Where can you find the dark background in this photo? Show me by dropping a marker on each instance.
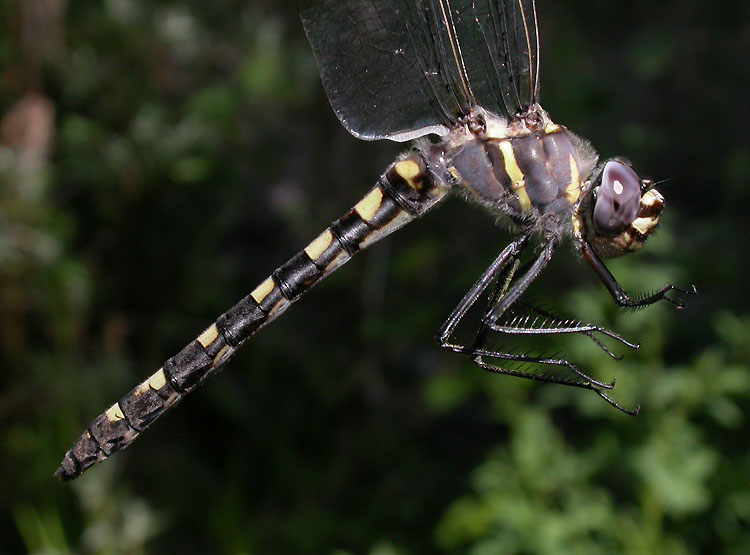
(158, 159)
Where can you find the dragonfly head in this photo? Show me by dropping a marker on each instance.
(620, 211)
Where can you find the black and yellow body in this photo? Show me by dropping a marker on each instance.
(404, 192)
(533, 178)
(396, 70)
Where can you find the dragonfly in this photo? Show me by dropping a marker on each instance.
(461, 80)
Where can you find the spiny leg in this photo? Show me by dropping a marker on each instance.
(500, 300)
(476, 350)
(501, 288)
(620, 296)
(476, 290)
(511, 295)
(499, 294)
(478, 360)
(553, 324)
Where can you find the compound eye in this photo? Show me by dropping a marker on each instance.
(618, 198)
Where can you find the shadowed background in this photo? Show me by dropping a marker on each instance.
(158, 159)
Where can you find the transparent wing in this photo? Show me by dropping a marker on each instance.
(400, 69)
(500, 44)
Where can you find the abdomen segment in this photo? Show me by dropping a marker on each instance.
(404, 192)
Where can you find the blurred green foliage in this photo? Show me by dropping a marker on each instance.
(158, 159)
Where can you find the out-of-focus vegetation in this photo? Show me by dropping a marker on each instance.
(158, 159)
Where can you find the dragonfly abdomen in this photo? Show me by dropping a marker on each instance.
(404, 192)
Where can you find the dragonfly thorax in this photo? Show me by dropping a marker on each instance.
(526, 175)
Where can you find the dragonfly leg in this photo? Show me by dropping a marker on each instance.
(620, 296)
(552, 324)
(498, 266)
(504, 296)
(477, 359)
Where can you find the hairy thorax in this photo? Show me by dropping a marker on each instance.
(526, 175)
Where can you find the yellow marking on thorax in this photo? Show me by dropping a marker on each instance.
(319, 245)
(208, 336)
(573, 190)
(496, 129)
(516, 175)
(409, 171)
(262, 291)
(114, 413)
(576, 225)
(368, 206)
(551, 128)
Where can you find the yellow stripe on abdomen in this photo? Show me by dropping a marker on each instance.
(368, 206)
(410, 172)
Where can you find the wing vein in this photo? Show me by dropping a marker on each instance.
(528, 47)
(456, 49)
